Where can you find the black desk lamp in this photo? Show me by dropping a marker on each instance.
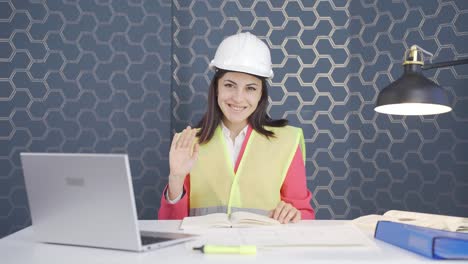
(412, 93)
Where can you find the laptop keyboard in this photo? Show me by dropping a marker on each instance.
(147, 240)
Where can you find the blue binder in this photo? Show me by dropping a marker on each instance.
(429, 242)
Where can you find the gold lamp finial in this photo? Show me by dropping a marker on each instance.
(413, 56)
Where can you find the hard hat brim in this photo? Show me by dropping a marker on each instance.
(243, 69)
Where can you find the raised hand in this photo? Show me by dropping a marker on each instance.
(285, 213)
(182, 157)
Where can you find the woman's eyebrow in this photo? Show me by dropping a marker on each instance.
(249, 84)
(227, 80)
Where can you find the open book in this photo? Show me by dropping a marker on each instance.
(237, 219)
(441, 222)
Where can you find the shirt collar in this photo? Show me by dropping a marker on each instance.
(227, 132)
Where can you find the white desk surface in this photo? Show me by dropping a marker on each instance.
(20, 247)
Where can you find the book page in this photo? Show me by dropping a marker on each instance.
(246, 219)
(312, 236)
(442, 222)
(368, 222)
(205, 221)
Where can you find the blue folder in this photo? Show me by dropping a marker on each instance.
(429, 242)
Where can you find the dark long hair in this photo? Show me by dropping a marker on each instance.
(213, 116)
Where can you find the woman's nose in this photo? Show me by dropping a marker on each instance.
(238, 95)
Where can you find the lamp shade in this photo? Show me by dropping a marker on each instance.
(412, 94)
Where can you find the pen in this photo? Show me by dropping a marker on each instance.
(216, 249)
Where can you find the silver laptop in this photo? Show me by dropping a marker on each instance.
(87, 200)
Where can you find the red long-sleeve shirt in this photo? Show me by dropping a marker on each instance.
(294, 190)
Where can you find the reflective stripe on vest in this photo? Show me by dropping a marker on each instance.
(214, 187)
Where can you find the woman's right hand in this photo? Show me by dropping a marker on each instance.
(181, 160)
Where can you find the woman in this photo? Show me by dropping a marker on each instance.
(239, 159)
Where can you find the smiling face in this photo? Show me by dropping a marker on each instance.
(238, 97)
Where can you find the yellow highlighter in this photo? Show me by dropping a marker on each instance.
(217, 249)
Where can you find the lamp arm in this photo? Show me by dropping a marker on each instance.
(444, 64)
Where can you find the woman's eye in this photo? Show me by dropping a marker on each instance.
(250, 88)
(228, 85)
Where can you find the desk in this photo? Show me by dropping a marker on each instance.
(20, 248)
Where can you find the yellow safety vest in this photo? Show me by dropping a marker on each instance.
(215, 188)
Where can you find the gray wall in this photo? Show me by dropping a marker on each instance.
(120, 76)
(84, 76)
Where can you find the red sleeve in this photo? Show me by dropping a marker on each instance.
(294, 189)
(178, 210)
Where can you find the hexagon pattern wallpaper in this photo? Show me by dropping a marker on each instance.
(118, 76)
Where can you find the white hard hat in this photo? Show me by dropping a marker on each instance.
(243, 52)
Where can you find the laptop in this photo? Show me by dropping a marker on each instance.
(87, 200)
